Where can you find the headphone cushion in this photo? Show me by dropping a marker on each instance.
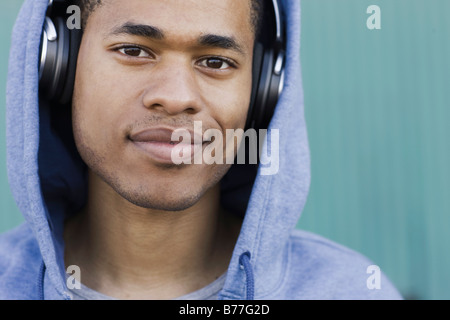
(69, 76)
(261, 108)
(258, 55)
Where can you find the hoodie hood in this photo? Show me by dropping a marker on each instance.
(49, 183)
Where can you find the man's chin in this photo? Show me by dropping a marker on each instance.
(159, 205)
(164, 192)
(163, 203)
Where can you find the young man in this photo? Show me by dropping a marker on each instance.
(99, 188)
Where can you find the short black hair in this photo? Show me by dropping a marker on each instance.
(89, 6)
(257, 15)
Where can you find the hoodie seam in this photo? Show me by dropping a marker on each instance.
(284, 261)
(285, 270)
(262, 218)
(260, 222)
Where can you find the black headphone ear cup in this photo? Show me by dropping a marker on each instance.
(258, 55)
(69, 76)
(268, 68)
(261, 108)
(274, 90)
(55, 62)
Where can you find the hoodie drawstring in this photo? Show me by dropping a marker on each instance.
(40, 284)
(244, 260)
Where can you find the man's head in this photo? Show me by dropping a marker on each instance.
(146, 67)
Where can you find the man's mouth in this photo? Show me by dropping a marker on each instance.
(160, 143)
(165, 135)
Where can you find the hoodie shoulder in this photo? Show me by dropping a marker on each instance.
(319, 268)
(20, 261)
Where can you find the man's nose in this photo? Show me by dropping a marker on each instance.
(172, 87)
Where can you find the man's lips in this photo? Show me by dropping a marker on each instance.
(164, 136)
(158, 144)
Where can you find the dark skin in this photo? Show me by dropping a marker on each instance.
(152, 230)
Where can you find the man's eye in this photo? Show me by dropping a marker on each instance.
(135, 52)
(216, 63)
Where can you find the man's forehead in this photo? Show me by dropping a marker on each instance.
(224, 23)
(209, 13)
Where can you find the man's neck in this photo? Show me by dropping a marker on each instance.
(130, 252)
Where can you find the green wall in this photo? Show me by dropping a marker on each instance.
(378, 116)
(9, 213)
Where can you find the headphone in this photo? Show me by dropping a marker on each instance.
(59, 51)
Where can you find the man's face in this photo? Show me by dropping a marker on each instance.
(147, 67)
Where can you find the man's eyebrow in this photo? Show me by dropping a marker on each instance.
(207, 40)
(141, 30)
(221, 42)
